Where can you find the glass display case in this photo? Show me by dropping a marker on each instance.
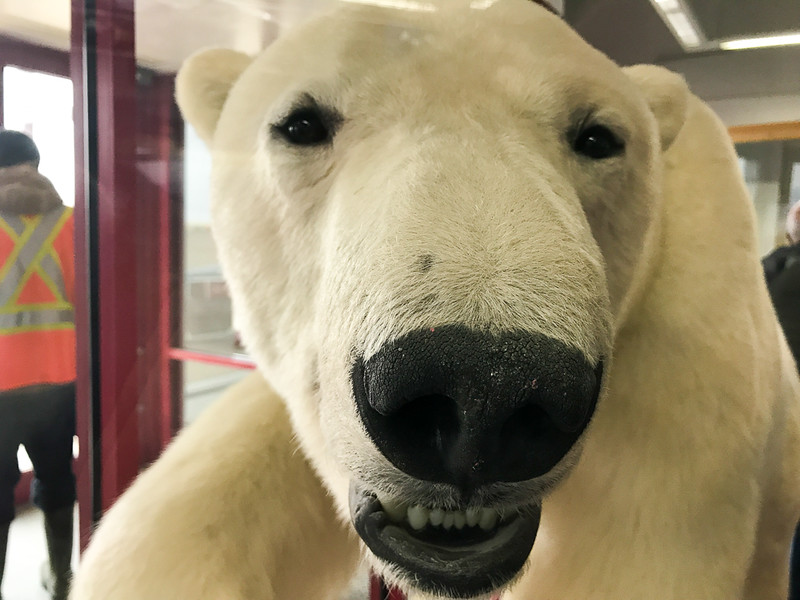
(92, 81)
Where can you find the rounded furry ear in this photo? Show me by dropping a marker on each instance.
(202, 86)
(668, 96)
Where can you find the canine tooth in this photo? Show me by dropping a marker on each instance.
(459, 519)
(436, 517)
(417, 517)
(473, 516)
(488, 519)
(394, 508)
(449, 519)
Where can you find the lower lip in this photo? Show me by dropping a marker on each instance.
(453, 571)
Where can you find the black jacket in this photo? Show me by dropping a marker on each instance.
(782, 270)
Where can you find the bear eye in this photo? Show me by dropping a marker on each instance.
(598, 142)
(304, 127)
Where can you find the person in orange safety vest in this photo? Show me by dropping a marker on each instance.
(37, 351)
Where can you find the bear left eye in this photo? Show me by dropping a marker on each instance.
(304, 127)
(598, 142)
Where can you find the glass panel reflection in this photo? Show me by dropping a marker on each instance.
(772, 175)
(203, 384)
(207, 316)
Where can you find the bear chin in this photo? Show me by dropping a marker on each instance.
(470, 561)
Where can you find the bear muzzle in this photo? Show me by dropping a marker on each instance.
(477, 412)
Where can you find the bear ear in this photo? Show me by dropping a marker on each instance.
(668, 97)
(202, 86)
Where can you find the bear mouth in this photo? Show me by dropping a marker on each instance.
(464, 553)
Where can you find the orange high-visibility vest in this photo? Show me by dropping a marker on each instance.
(37, 287)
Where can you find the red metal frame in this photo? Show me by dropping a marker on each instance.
(117, 244)
(160, 130)
(30, 56)
(128, 142)
(84, 465)
(108, 384)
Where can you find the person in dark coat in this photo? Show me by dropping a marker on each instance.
(782, 271)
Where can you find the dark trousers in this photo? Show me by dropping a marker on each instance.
(42, 419)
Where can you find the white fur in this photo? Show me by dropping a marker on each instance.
(455, 144)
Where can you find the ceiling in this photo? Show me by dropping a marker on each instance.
(722, 19)
(629, 31)
(647, 38)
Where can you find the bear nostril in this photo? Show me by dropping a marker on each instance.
(429, 421)
(528, 434)
(528, 421)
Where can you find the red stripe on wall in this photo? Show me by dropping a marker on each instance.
(236, 361)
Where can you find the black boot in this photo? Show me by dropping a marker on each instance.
(58, 529)
(3, 544)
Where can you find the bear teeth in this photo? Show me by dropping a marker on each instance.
(394, 508)
(418, 517)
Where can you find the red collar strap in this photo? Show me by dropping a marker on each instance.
(378, 590)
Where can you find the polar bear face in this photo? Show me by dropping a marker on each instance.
(432, 223)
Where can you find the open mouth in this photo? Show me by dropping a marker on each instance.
(456, 553)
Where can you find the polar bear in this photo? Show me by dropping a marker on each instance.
(511, 330)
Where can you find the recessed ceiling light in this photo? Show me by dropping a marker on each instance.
(684, 29)
(669, 5)
(767, 41)
(681, 22)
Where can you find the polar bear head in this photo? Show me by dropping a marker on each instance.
(433, 220)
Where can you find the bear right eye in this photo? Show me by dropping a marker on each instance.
(304, 127)
(598, 142)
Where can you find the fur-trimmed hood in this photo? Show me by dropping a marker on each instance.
(25, 191)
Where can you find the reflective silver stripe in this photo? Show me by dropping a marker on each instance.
(53, 271)
(35, 319)
(27, 254)
(16, 223)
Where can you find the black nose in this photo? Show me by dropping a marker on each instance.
(455, 405)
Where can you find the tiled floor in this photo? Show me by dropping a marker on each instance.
(27, 551)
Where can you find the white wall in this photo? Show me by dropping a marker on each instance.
(756, 110)
(745, 87)
(40, 105)
(196, 179)
(762, 164)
